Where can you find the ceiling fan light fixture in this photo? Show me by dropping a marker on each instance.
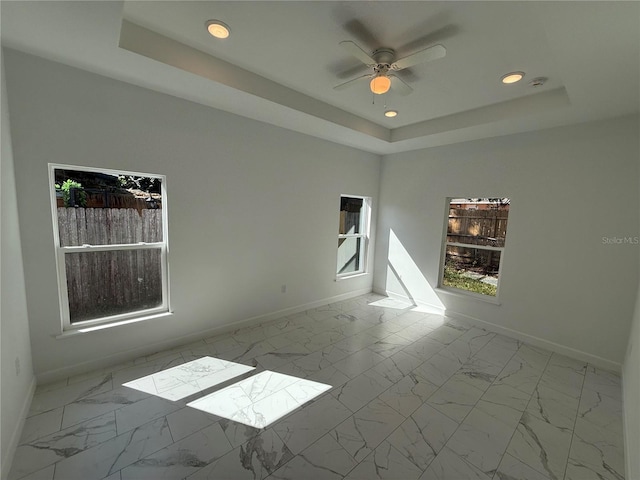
(512, 77)
(380, 84)
(391, 113)
(218, 29)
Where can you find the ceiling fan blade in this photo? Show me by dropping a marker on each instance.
(426, 55)
(352, 82)
(361, 33)
(357, 52)
(400, 85)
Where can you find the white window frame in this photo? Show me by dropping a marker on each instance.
(365, 222)
(445, 243)
(61, 253)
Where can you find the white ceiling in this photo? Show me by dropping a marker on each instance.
(283, 59)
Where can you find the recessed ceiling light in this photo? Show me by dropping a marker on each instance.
(512, 77)
(390, 113)
(218, 29)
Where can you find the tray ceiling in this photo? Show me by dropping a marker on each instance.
(283, 59)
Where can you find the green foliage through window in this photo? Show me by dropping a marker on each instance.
(458, 279)
(73, 194)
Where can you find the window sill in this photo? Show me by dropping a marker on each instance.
(74, 332)
(469, 295)
(355, 275)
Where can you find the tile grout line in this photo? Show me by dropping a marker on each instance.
(475, 405)
(575, 421)
(425, 402)
(353, 413)
(440, 386)
(308, 320)
(525, 409)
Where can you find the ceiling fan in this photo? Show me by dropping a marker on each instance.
(383, 61)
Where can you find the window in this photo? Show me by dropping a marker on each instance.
(474, 244)
(353, 235)
(110, 234)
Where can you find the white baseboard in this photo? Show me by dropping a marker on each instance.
(17, 431)
(540, 342)
(627, 434)
(403, 298)
(398, 296)
(120, 357)
(379, 291)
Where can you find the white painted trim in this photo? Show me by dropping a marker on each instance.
(350, 276)
(365, 235)
(403, 298)
(479, 247)
(443, 255)
(629, 457)
(114, 247)
(397, 296)
(17, 432)
(96, 327)
(540, 342)
(460, 293)
(50, 376)
(61, 252)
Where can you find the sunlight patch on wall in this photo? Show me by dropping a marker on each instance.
(405, 279)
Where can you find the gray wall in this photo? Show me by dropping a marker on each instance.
(561, 286)
(17, 388)
(631, 395)
(251, 206)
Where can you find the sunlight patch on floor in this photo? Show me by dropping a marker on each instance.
(189, 378)
(261, 399)
(392, 303)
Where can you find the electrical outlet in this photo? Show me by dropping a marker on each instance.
(283, 289)
(17, 366)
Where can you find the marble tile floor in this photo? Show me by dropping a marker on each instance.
(414, 396)
(261, 399)
(189, 378)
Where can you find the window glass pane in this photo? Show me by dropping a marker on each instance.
(108, 226)
(350, 255)
(104, 209)
(102, 284)
(351, 215)
(480, 221)
(472, 269)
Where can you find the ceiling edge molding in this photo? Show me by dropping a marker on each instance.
(498, 112)
(150, 44)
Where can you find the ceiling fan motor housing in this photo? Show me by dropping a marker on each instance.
(384, 56)
(383, 61)
(381, 69)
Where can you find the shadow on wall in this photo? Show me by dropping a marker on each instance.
(406, 280)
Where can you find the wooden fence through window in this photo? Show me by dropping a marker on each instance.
(108, 283)
(476, 228)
